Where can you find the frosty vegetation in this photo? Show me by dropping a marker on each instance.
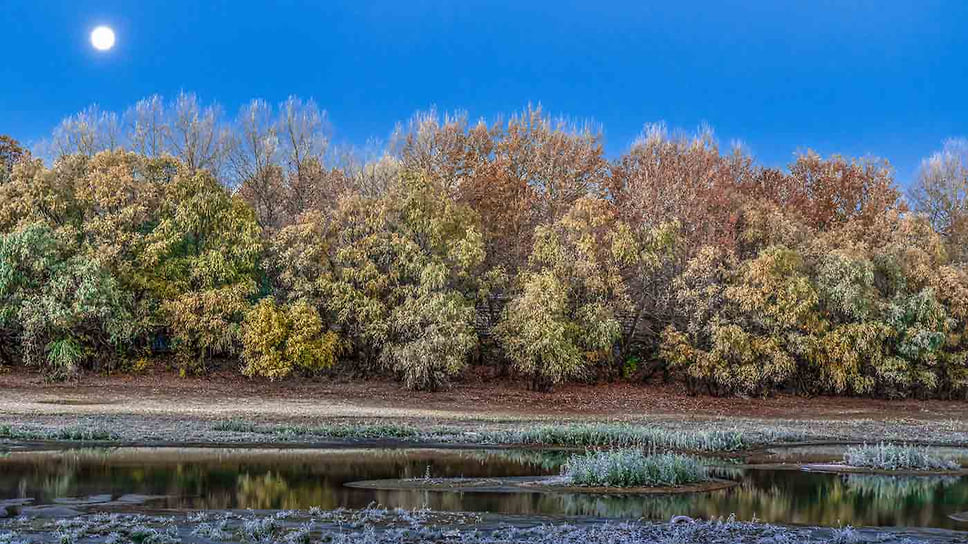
(380, 526)
(612, 435)
(898, 457)
(634, 468)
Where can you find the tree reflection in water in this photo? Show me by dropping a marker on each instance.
(209, 478)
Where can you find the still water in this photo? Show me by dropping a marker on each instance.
(212, 478)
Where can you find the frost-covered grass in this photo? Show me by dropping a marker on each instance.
(897, 457)
(622, 436)
(382, 526)
(359, 431)
(576, 435)
(73, 433)
(236, 426)
(611, 435)
(634, 468)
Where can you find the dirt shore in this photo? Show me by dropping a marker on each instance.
(161, 407)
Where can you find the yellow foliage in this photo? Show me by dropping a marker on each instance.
(775, 287)
(275, 340)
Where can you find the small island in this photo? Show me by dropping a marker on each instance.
(620, 472)
(896, 459)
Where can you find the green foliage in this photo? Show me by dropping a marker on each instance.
(201, 261)
(633, 468)
(427, 359)
(631, 366)
(61, 308)
(537, 335)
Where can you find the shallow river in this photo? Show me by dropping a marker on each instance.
(213, 478)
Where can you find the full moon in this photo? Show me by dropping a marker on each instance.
(102, 38)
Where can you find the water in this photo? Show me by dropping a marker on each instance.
(212, 478)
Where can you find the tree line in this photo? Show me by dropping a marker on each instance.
(515, 247)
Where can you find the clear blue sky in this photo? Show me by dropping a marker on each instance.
(888, 78)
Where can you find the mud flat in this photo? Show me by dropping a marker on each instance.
(547, 484)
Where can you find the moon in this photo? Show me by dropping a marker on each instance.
(102, 38)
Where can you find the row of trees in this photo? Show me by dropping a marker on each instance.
(515, 245)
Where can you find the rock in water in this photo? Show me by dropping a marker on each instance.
(49, 512)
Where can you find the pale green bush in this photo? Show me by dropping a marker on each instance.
(634, 468)
(897, 457)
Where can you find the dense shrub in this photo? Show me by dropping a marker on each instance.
(856, 310)
(202, 261)
(566, 313)
(402, 287)
(60, 309)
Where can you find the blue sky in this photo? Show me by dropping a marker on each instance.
(886, 78)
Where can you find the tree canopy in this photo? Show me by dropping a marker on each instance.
(171, 233)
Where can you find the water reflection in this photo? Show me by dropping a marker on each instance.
(289, 479)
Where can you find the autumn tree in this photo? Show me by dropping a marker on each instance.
(87, 132)
(303, 133)
(254, 164)
(197, 135)
(738, 319)
(516, 175)
(402, 288)
(279, 339)
(11, 153)
(829, 192)
(203, 263)
(674, 178)
(566, 315)
(147, 127)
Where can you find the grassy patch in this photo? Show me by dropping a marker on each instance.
(81, 433)
(78, 433)
(897, 457)
(342, 431)
(587, 435)
(352, 432)
(16, 433)
(634, 468)
(621, 436)
(236, 426)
